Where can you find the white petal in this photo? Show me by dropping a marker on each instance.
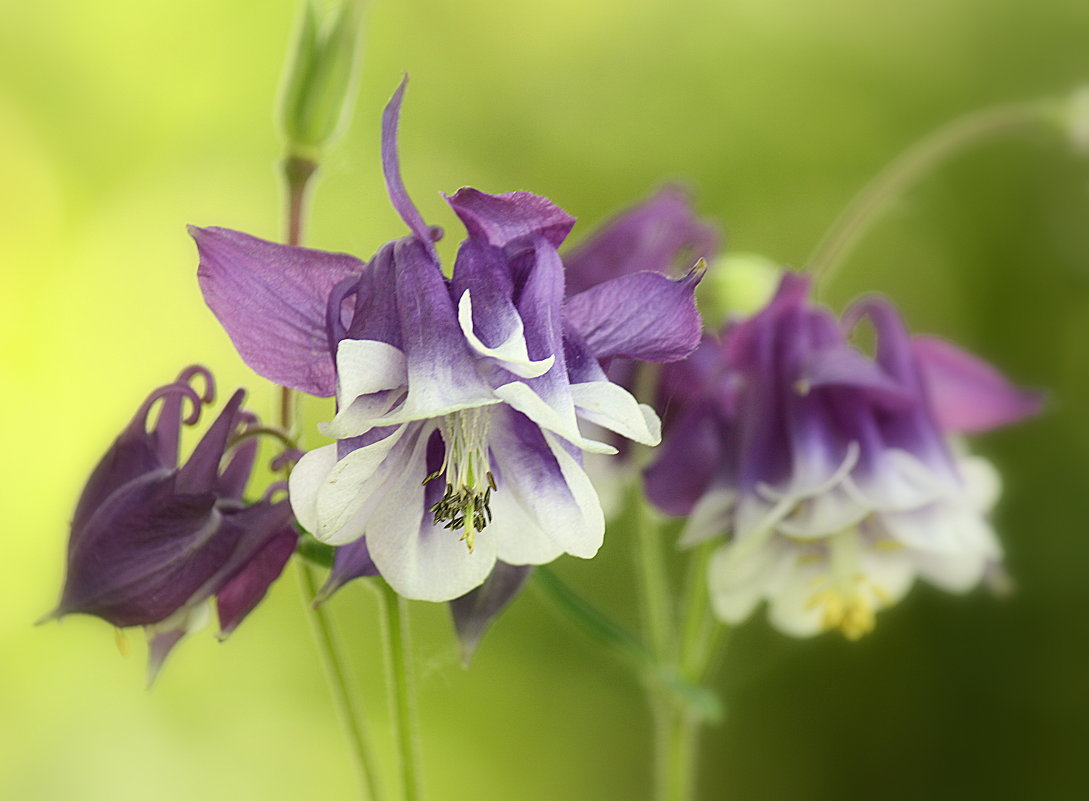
(519, 539)
(354, 479)
(711, 516)
(737, 587)
(360, 415)
(823, 515)
(306, 480)
(512, 353)
(365, 366)
(419, 560)
(899, 482)
(982, 482)
(611, 406)
(521, 398)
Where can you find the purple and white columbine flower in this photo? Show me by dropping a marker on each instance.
(153, 542)
(831, 472)
(458, 442)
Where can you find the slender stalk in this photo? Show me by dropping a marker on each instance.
(402, 689)
(297, 173)
(656, 602)
(678, 735)
(913, 164)
(336, 674)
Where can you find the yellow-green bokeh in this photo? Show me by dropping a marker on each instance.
(121, 121)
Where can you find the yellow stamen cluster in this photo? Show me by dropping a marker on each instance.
(848, 600)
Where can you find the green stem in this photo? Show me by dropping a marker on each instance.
(913, 164)
(676, 748)
(398, 648)
(351, 715)
(656, 603)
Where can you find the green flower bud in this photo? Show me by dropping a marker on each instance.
(736, 285)
(320, 82)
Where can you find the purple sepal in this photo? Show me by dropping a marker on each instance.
(645, 316)
(475, 611)
(969, 395)
(241, 594)
(502, 219)
(660, 234)
(391, 168)
(350, 561)
(159, 646)
(271, 299)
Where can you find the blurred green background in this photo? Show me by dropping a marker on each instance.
(121, 121)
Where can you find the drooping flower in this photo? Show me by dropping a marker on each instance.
(831, 473)
(458, 400)
(152, 541)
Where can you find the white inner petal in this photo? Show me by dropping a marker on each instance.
(512, 352)
(611, 406)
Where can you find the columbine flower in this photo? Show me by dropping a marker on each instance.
(152, 542)
(458, 399)
(829, 471)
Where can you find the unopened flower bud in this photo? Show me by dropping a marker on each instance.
(737, 284)
(322, 76)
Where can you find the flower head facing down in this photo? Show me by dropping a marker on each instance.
(153, 540)
(458, 399)
(830, 471)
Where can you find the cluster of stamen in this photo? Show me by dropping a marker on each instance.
(848, 599)
(466, 503)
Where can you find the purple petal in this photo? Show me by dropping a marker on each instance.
(238, 597)
(350, 562)
(916, 430)
(690, 455)
(391, 168)
(843, 366)
(159, 646)
(375, 313)
(656, 235)
(967, 394)
(474, 612)
(442, 374)
(482, 270)
(144, 553)
(645, 316)
(168, 425)
(201, 473)
(231, 483)
(501, 219)
(544, 504)
(272, 299)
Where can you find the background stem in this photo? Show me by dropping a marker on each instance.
(350, 713)
(402, 688)
(914, 163)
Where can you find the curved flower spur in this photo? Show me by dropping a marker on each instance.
(153, 541)
(830, 472)
(458, 398)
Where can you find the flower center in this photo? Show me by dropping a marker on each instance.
(848, 599)
(469, 483)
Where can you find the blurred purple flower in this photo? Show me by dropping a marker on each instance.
(830, 471)
(458, 399)
(152, 541)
